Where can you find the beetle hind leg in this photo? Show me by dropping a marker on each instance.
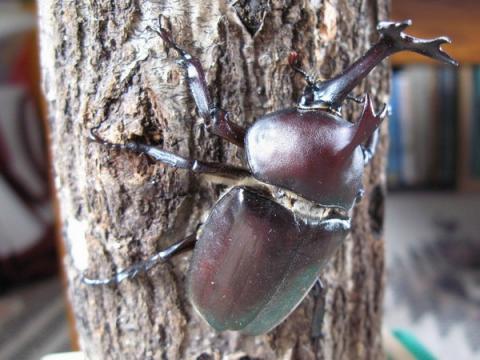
(216, 120)
(141, 267)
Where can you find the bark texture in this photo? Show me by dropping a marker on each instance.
(101, 63)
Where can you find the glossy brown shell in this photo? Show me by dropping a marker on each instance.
(254, 261)
(309, 153)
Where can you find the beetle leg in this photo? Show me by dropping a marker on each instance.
(366, 133)
(130, 272)
(216, 120)
(174, 160)
(318, 292)
(370, 146)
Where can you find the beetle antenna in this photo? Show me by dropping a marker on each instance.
(293, 62)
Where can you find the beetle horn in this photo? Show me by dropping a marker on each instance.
(392, 32)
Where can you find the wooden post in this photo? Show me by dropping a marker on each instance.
(101, 64)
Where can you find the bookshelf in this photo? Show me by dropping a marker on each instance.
(469, 126)
(459, 20)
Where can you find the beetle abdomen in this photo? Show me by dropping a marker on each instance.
(304, 151)
(254, 261)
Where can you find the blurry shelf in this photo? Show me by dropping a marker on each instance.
(421, 189)
(457, 19)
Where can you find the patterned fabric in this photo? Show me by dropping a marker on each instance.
(27, 233)
(433, 271)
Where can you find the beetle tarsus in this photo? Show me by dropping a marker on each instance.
(130, 272)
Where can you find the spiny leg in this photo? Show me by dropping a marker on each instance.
(130, 272)
(216, 120)
(174, 160)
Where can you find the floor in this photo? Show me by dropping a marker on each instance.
(433, 277)
(33, 322)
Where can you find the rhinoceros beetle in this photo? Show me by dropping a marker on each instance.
(254, 258)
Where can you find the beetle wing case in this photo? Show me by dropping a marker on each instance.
(255, 261)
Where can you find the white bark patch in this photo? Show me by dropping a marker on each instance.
(47, 48)
(78, 244)
(328, 29)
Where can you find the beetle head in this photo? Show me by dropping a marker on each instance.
(314, 94)
(312, 97)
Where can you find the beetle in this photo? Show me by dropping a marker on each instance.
(255, 258)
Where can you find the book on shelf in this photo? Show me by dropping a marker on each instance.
(424, 127)
(469, 116)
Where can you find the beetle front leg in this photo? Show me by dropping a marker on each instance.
(130, 272)
(176, 161)
(370, 147)
(216, 120)
(367, 130)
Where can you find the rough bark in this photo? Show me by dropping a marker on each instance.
(100, 63)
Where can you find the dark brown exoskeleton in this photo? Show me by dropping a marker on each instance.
(254, 259)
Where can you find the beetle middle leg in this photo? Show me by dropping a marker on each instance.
(176, 161)
(130, 272)
(216, 120)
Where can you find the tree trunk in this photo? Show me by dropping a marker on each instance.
(101, 64)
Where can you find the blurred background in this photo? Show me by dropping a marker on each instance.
(432, 210)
